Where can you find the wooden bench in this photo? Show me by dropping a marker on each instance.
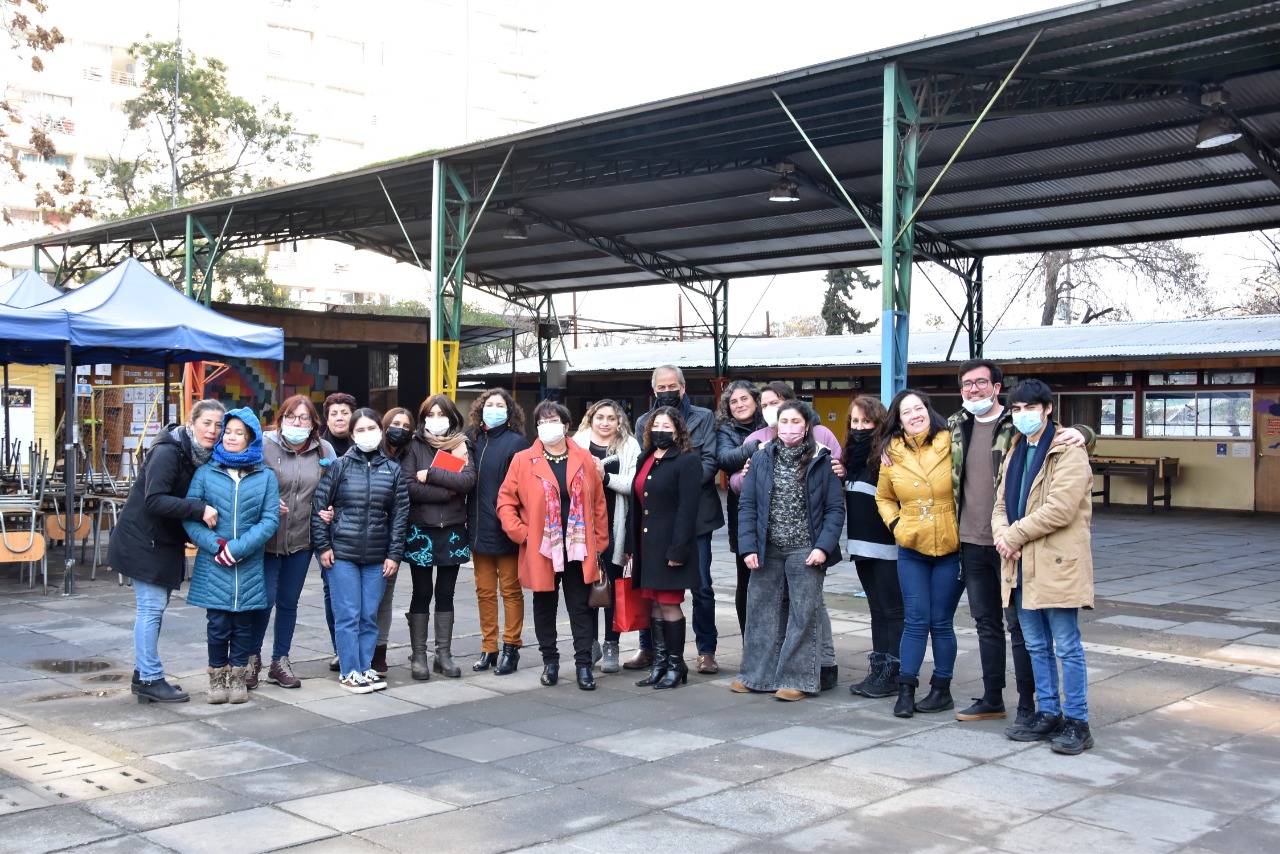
(1153, 468)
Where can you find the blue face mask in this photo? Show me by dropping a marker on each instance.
(295, 435)
(1028, 423)
(494, 417)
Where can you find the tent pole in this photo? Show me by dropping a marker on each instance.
(164, 402)
(8, 437)
(69, 471)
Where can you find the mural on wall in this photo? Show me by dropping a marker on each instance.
(252, 382)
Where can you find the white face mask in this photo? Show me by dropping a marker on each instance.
(436, 426)
(369, 440)
(551, 434)
(978, 407)
(770, 414)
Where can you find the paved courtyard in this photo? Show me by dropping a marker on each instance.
(1184, 666)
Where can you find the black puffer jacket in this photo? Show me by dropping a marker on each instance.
(370, 509)
(732, 455)
(494, 450)
(149, 542)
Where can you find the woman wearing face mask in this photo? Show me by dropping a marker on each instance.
(915, 499)
(497, 432)
(298, 456)
(363, 546)
(552, 504)
(772, 396)
(227, 580)
(437, 540)
(148, 543)
(871, 547)
(661, 539)
(738, 417)
(397, 430)
(605, 431)
(791, 517)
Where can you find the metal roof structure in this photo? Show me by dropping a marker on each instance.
(1162, 339)
(1091, 142)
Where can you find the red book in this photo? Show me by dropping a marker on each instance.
(448, 462)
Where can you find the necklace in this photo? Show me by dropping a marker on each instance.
(556, 458)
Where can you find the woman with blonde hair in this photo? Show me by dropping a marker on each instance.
(605, 431)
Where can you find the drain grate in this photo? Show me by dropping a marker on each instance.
(35, 757)
(17, 799)
(55, 771)
(83, 787)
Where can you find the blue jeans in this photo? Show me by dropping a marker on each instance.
(284, 576)
(229, 636)
(1050, 631)
(152, 599)
(931, 589)
(704, 605)
(356, 590)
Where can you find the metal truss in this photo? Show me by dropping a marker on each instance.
(897, 251)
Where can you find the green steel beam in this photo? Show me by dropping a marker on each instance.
(720, 326)
(973, 307)
(901, 134)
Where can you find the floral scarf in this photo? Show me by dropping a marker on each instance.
(554, 544)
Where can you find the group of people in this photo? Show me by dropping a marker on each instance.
(994, 501)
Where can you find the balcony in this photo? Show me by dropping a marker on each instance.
(116, 78)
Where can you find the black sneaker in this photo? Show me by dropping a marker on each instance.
(981, 711)
(1025, 714)
(1042, 727)
(1073, 739)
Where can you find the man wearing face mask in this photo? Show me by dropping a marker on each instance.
(669, 390)
(984, 426)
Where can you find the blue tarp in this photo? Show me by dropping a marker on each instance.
(132, 316)
(33, 336)
(26, 289)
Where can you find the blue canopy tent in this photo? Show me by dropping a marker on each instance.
(133, 316)
(22, 291)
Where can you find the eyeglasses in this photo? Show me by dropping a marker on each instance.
(968, 384)
(300, 420)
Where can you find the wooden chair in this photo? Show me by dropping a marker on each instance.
(26, 547)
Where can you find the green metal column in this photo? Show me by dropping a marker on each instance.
(189, 258)
(720, 326)
(973, 307)
(901, 119)
(451, 222)
(547, 330)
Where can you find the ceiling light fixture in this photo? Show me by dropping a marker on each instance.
(784, 189)
(1216, 129)
(515, 229)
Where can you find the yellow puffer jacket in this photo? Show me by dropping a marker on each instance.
(914, 495)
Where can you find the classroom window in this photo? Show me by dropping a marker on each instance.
(1190, 414)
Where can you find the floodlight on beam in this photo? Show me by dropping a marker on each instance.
(1216, 129)
(515, 229)
(784, 189)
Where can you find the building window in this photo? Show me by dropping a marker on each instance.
(1173, 378)
(343, 52)
(1229, 378)
(1197, 415)
(1107, 414)
(289, 44)
(56, 161)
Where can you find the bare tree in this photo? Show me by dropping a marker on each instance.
(802, 325)
(1083, 285)
(1262, 291)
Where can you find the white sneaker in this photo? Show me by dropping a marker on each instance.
(356, 683)
(376, 681)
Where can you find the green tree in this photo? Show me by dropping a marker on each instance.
(838, 315)
(243, 280)
(210, 144)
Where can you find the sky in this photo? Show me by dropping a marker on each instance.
(605, 56)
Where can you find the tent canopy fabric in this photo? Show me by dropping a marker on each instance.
(33, 336)
(27, 289)
(132, 315)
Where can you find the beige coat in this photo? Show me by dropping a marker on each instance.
(915, 492)
(1057, 561)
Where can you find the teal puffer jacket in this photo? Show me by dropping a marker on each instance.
(248, 515)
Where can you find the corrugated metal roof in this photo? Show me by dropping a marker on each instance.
(1211, 336)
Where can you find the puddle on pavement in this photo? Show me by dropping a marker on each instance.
(72, 665)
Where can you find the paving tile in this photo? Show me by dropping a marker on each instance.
(338, 845)
(1245, 835)
(421, 726)
(273, 720)
(1228, 765)
(1224, 631)
(167, 738)
(952, 812)
(569, 727)
(1139, 622)
(1227, 795)
(656, 785)
(438, 693)
(904, 763)
(17, 798)
(737, 763)
(567, 763)
(289, 781)
(854, 831)
(1144, 816)
(1265, 639)
(490, 744)
(165, 805)
(1263, 745)
(832, 784)
(757, 812)
(477, 784)
(975, 740)
(395, 763)
(501, 711)
(1261, 684)
(209, 762)
(352, 708)
(328, 742)
(255, 830)
(1015, 788)
(653, 833)
(371, 806)
(650, 743)
(51, 829)
(1058, 835)
(809, 742)
(129, 844)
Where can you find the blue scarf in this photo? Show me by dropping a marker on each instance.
(251, 455)
(1022, 472)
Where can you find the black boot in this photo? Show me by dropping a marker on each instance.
(828, 677)
(659, 668)
(938, 698)
(485, 661)
(158, 691)
(508, 661)
(906, 705)
(550, 673)
(677, 671)
(419, 664)
(586, 681)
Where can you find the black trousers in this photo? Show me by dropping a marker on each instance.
(879, 578)
(980, 566)
(740, 595)
(611, 635)
(424, 586)
(582, 617)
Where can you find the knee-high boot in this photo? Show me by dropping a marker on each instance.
(420, 665)
(659, 668)
(444, 645)
(677, 670)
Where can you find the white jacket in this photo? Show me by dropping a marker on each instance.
(620, 484)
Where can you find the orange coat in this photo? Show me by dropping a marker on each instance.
(522, 510)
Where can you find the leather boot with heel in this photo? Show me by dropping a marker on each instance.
(419, 663)
(677, 671)
(509, 661)
(939, 697)
(659, 667)
(444, 646)
(905, 707)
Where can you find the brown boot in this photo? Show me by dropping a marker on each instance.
(236, 690)
(379, 663)
(217, 685)
(251, 671)
(642, 660)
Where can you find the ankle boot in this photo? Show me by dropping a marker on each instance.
(379, 663)
(677, 670)
(828, 677)
(659, 666)
(217, 686)
(485, 661)
(938, 698)
(508, 661)
(444, 646)
(906, 705)
(236, 690)
(251, 671)
(419, 664)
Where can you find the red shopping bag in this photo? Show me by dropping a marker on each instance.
(630, 609)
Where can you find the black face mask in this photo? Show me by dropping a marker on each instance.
(859, 444)
(662, 439)
(398, 437)
(669, 398)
